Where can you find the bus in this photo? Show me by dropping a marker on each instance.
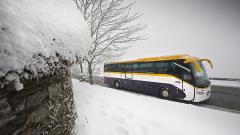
(181, 77)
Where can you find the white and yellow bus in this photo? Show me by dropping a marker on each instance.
(174, 77)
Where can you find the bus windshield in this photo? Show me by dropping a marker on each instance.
(201, 77)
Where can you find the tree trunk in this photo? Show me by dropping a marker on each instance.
(81, 70)
(90, 72)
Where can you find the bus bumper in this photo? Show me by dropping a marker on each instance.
(202, 94)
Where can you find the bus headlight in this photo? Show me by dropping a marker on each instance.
(199, 92)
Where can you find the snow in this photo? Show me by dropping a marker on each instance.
(18, 85)
(13, 77)
(107, 111)
(33, 33)
(75, 70)
(225, 83)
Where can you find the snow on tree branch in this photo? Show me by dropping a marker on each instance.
(112, 25)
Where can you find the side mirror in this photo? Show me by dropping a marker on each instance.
(209, 61)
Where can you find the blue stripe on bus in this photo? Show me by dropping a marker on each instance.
(146, 87)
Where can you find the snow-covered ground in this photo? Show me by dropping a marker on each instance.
(225, 83)
(107, 111)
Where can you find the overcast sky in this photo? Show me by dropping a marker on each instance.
(203, 28)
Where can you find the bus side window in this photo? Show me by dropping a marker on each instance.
(135, 67)
(128, 68)
(111, 68)
(107, 67)
(187, 74)
(161, 67)
(174, 70)
(121, 68)
(146, 67)
(181, 71)
(116, 68)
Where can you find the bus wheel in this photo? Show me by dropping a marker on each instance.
(164, 93)
(117, 85)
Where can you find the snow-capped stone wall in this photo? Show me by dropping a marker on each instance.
(39, 41)
(44, 106)
(37, 34)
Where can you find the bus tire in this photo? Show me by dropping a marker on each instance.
(165, 93)
(117, 84)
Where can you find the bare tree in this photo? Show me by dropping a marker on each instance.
(112, 25)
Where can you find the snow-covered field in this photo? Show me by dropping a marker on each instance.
(107, 111)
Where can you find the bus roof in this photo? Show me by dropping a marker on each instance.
(186, 58)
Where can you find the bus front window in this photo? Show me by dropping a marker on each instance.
(201, 77)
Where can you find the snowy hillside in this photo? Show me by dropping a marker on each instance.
(34, 33)
(106, 111)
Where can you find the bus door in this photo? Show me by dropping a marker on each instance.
(122, 71)
(122, 75)
(128, 75)
(187, 84)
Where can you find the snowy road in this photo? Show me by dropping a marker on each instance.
(107, 111)
(223, 97)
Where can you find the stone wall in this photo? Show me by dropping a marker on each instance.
(44, 106)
